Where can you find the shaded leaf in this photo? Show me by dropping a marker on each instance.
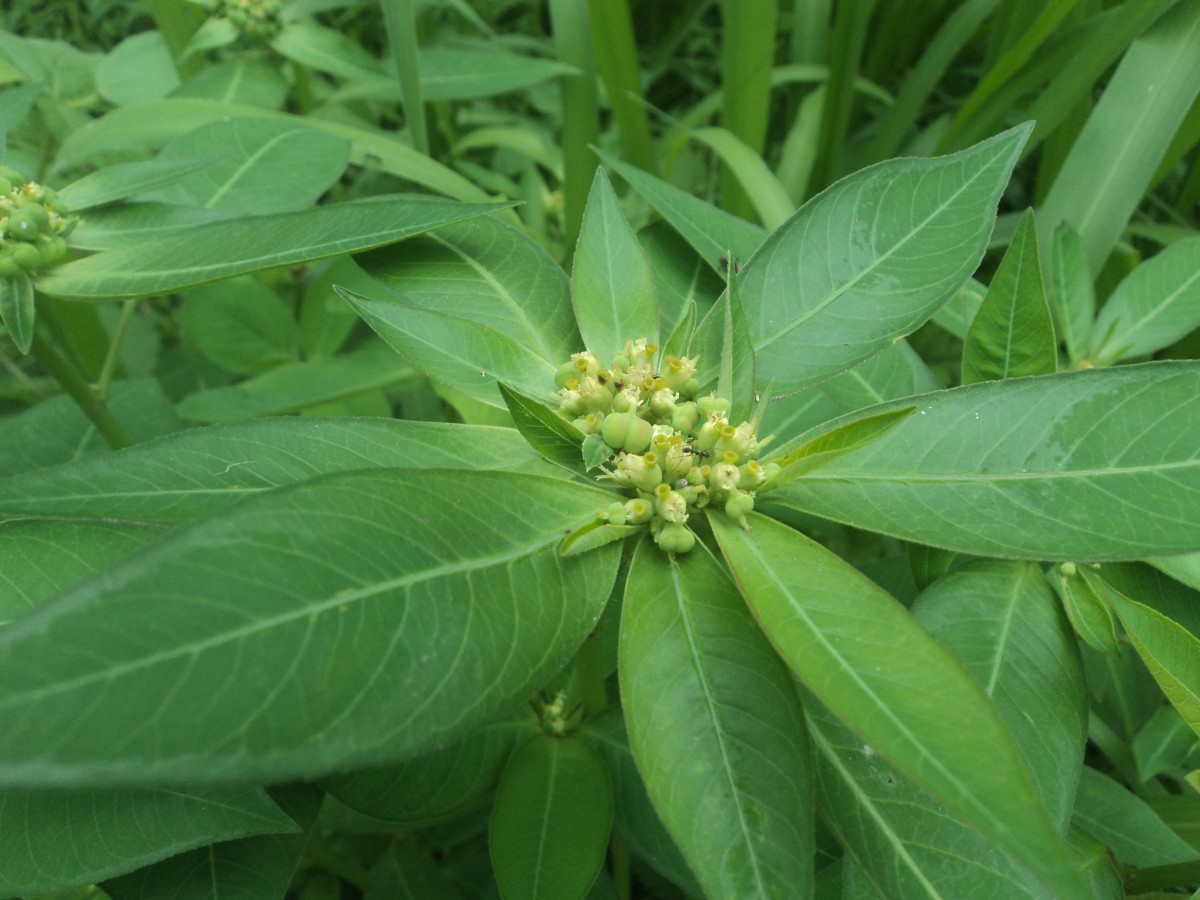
(1126, 825)
(1072, 297)
(548, 433)
(17, 309)
(116, 182)
(241, 325)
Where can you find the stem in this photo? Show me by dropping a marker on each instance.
(746, 61)
(589, 664)
(400, 17)
(616, 57)
(81, 392)
(849, 36)
(620, 868)
(110, 361)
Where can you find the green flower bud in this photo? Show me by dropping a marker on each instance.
(9, 267)
(662, 402)
(642, 472)
(685, 416)
(625, 431)
(738, 506)
(677, 463)
(638, 512)
(710, 431)
(670, 505)
(691, 389)
(753, 474)
(22, 225)
(571, 402)
(11, 175)
(713, 404)
(27, 256)
(5, 185)
(614, 513)
(564, 373)
(724, 477)
(675, 538)
(35, 211)
(52, 250)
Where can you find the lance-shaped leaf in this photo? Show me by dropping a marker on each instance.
(816, 452)
(123, 180)
(906, 843)
(52, 840)
(551, 821)
(1126, 824)
(726, 351)
(547, 432)
(463, 354)
(612, 286)
(354, 619)
(1164, 743)
(870, 259)
(686, 285)
(487, 272)
(712, 232)
(17, 309)
(716, 728)
(1157, 304)
(1001, 619)
(1096, 464)
(1012, 334)
(185, 257)
(1170, 651)
(260, 866)
(440, 784)
(184, 476)
(1088, 614)
(1072, 297)
(864, 656)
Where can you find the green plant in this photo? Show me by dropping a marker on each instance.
(681, 574)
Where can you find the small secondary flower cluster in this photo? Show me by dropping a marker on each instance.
(34, 225)
(253, 18)
(678, 452)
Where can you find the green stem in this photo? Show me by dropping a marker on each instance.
(746, 62)
(110, 360)
(849, 36)
(589, 664)
(616, 57)
(81, 392)
(400, 17)
(620, 868)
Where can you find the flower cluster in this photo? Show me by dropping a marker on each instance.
(678, 453)
(34, 225)
(253, 18)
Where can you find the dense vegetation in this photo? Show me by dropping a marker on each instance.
(484, 448)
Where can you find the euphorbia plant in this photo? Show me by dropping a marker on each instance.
(373, 605)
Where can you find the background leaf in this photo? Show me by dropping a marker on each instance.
(715, 727)
(241, 325)
(195, 255)
(17, 309)
(1067, 466)
(1012, 333)
(52, 840)
(262, 595)
(1072, 298)
(551, 820)
(1126, 825)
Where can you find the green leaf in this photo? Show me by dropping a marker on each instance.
(451, 73)
(1003, 622)
(187, 257)
(831, 445)
(437, 785)
(238, 80)
(715, 727)
(1163, 744)
(1126, 825)
(906, 843)
(325, 50)
(114, 227)
(467, 609)
(1068, 466)
(595, 534)
(1185, 569)
(1088, 614)
(297, 386)
(685, 283)
(551, 820)
(123, 180)
(1170, 651)
(326, 320)
(52, 840)
(712, 232)
(1072, 297)
(139, 68)
(17, 309)
(724, 337)
(612, 286)
(548, 433)
(263, 166)
(198, 472)
(1012, 333)
(488, 273)
(862, 654)
(1156, 305)
(241, 325)
(1112, 161)
(869, 260)
(248, 868)
(634, 818)
(56, 430)
(596, 451)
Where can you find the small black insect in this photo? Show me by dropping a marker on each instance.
(737, 267)
(703, 454)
